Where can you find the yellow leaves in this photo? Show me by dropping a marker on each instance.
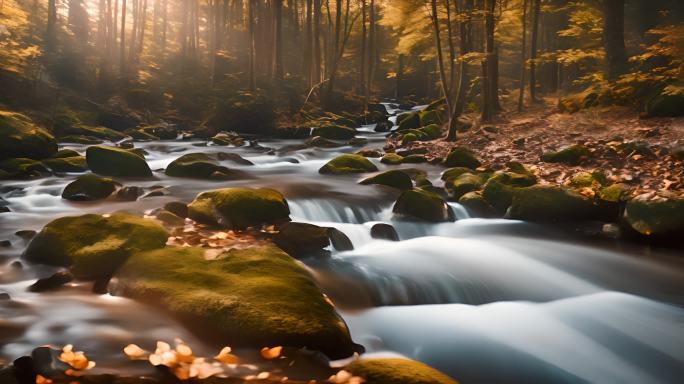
(42, 380)
(345, 377)
(226, 357)
(76, 360)
(271, 353)
(134, 352)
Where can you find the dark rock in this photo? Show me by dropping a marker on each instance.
(239, 208)
(4, 209)
(111, 161)
(89, 187)
(177, 208)
(572, 155)
(22, 138)
(24, 371)
(394, 178)
(26, 234)
(321, 142)
(358, 142)
(129, 193)
(334, 132)
(302, 239)
(233, 157)
(423, 205)
(201, 166)
(462, 157)
(5, 244)
(348, 163)
(51, 283)
(384, 231)
(339, 240)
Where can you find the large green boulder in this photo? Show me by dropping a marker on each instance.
(67, 164)
(252, 297)
(659, 219)
(514, 178)
(348, 163)
(423, 205)
(476, 205)
(462, 157)
(200, 166)
(430, 117)
(462, 184)
(552, 203)
(94, 246)
(397, 371)
(22, 168)
(453, 173)
(239, 208)
(409, 120)
(498, 194)
(394, 178)
(572, 155)
(98, 132)
(111, 161)
(22, 138)
(335, 132)
(89, 187)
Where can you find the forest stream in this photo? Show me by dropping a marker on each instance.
(482, 300)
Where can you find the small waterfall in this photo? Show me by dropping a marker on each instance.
(329, 210)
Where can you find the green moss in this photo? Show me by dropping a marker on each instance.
(67, 164)
(423, 205)
(394, 178)
(409, 138)
(415, 159)
(392, 159)
(498, 194)
(199, 166)
(551, 203)
(80, 139)
(453, 173)
(22, 168)
(302, 239)
(258, 297)
(111, 161)
(656, 218)
(239, 208)
(169, 218)
(22, 138)
(433, 131)
(348, 163)
(462, 157)
(593, 179)
(98, 132)
(466, 182)
(89, 187)
(613, 193)
(93, 245)
(477, 205)
(409, 120)
(430, 117)
(397, 371)
(335, 132)
(514, 179)
(572, 155)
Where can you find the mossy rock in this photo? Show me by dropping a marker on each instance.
(62, 153)
(169, 218)
(430, 117)
(572, 155)
(466, 182)
(348, 163)
(80, 139)
(432, 131)
(255, 297)
(514, 179)
(664, 105)
(322, 142)
(410, 120)
(461, 157)
(370, 153)
(499, 195)
(21, 138)
(335, 132)
(613, 193)
(392, 159)
(552, 203)
(476, 205)
(593, 180)
(397, 371)
(94, 246)
(302, 239)
(111, 161)
(97, 132)
(423, 205)
(663, 219)
(140, 135)
(409, 138)
(239, 208)
(453, 173)
(22, 168)
(67, 164)
(89, 187)
(394, 178)
(200, 166)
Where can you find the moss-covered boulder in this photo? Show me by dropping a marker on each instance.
(514, 178)
(423, 205)
(572, 155)
(22, 168)
(392, 159)
(430, 117)
(334, 132)
(94, 246)
(257, 297)
(415, 159)
(98, 132)
(302, 239)
(462, 184)
(659, 219)
(397, 371)
(409, 138)
(476, 205)
(614, 193)
(462, 157)
(394, 178)
(200, 166)
(348, 163)
(22, 138)
(453, 173)
(665, 105)
(89, 187)
(409, 120)
(239, 208)
(67, 164)
(371, 153)
(111, 161)
(552, 203)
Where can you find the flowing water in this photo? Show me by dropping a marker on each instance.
(492, 301)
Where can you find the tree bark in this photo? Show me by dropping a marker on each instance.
(523, 58)
(440, 56)
(317, 41)
(252, 59)
(122, 53)
(465, 47)
(536, 5)
(278, 71)
(50, 33)
(614, 38)
(308, 45)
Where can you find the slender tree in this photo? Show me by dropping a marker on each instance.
(252, 59)
(278, 70)
(536, 5)
(614, 38)
(122, 41)
(317, 41)
(51, 32)
(440, 57)
(523, 58)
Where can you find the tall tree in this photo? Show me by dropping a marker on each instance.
(614, 38)
(252, 58)
(317, 41)
(465, 47)
(278, 71)
(536, 6)
(308, 44)
(122, 41)
(440, 56)
(490, 97)
(51, 32)
(523, 58)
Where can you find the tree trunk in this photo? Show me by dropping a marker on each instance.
(308, 45)
(250, 17)
(165, 23)
(492, 58)
(135, 13)
(317, 41)
(536, 5)
(523, 58)
(278, 71)
(372, 48)
(440, 56)
(122, 53)
(50, 33)
(452, 49)
(362, 66)
(614, 38)
(465, 47)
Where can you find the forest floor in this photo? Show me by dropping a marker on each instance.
(646, 154)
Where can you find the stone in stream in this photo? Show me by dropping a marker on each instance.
(80, 139)
(178, 208)
(334, 132)
(392, 159)
(476, 205)
(21, 137)
(462, 157)
(169, 218)
(26, 234)
(111, 161)
(140, 135)
(258, 296)
(239, 208)
(53, 282)
(660, 220)
(393, 178)
(129, 193)
(4, 296)
(23, 169)
(201, 166)
(339, 240)
(93, 246)
(552, 203)
(423, 205)
(462, 184)
(348, 163)
(384, 231)
(67, 164)
(234, 158)
(89, 187)
(302, 239)
(372, 153)
(321, 142)
(396, 371)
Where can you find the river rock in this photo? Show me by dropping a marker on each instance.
(21, 137)
(140, 135)
(371, 153)
(80, 139)
(572, 155)
(476, 205)
(178, 208)
(234, 158)
(94, 245)
(75, 164)
(464, 183)
(656, 219)
(321, 142)
(384, 231)
(53, 282)
(302, 239)
(200, 166)
(163, 131)
(552, 203)
(239, 208)
(334, 132)
(129, 193)
(257, 296)
(23, 169)
(89, 187)
(393, 178)
(392, 159)
(62, 153)
(111, 161)
(409, 120)
(348, 163)
(462, 157)
(396, 371)
(170, 218)
(339, 240)
(423, 205)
